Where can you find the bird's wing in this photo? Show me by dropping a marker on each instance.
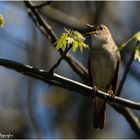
(115, 79)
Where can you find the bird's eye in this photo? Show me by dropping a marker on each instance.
(101, 28)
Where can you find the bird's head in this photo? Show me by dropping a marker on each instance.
(99, 32)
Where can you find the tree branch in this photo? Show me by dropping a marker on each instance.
(127, 68)
(47, 31)
(100, 5)
(57, 80)
(67, 83)
(59, 16)
(43, 4)
(131, 117)
(60, 81)
(60, 59)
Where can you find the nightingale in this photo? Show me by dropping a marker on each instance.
(104, 60)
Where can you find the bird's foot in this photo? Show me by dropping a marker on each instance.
(95, 90)
(111, 93)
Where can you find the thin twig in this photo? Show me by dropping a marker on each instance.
(41, 23)
(134, 71)
(60, 59)
(127, 68)
(67, 83)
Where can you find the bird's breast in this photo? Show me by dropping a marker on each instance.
(102, 64)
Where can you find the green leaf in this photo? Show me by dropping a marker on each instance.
(82, 46)
(62, 41)
(136, 37)
(77, 36)
(137, 53)
(2, 21)
(75, 46)
(76, 33)
(73, 38)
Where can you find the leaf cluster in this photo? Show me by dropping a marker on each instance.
(73, 38)
(2, 21)
(135, 37)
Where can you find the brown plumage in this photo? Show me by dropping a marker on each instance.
(104, 59)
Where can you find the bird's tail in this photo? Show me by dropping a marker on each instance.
(99, 113)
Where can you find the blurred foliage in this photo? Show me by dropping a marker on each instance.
(54, 99)
(137, 53)
(2, 21)
(135, 37)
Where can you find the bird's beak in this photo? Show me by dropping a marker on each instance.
(91, 29)
(90, 26)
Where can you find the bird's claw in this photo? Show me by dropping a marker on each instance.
(95, 89)
(111, 94)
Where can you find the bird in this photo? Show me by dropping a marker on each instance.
(103, 67)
